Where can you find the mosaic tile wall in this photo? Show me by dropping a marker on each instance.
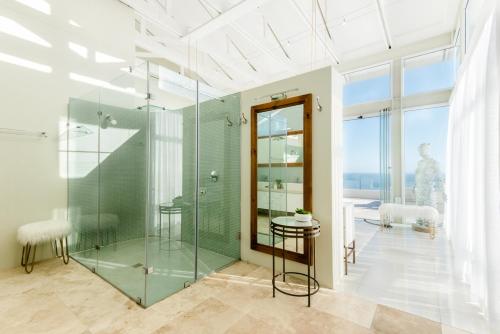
(123, 174)
(219, 224)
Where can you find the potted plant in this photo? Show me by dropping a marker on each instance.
(302, 215)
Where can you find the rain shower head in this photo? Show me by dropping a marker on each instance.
(107, 121)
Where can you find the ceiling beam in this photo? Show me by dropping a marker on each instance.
(144, 10)
(224, 19)
(256, 44)
(150, 44)
(327, 44)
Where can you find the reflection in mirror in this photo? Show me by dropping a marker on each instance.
(279, 170)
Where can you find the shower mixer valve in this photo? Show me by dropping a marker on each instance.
(214, 176)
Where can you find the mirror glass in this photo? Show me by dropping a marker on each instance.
(280, 170)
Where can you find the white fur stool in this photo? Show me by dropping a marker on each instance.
(389, 211)
(30, 235)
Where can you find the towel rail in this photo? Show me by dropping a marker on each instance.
(18, 132)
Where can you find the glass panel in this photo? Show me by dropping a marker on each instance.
(219, 180)
(277, 166)
(362, 182)
(123, 185)
(429, 72)
(425, 156)
(82, 174)
(171, 225)
(368, 85)
(263, 178)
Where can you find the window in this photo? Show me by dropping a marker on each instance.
(425, 132)
(472, 12)
(362, 183)
(368, 85)
(430, 72)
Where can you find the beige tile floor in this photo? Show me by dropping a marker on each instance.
(70, 299)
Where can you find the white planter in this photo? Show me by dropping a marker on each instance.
(303, 218)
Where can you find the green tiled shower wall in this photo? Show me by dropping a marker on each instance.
(219, 217)
(123, 174)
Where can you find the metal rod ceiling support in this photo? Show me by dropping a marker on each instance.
(220, 67)
(383, 21)
(278, 40)
(306, 20)
(324, 21)
(242, 54)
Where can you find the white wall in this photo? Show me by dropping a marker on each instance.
(326, 165)
(31, 184)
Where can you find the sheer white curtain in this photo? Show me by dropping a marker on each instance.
(473, 181)
(166, 151)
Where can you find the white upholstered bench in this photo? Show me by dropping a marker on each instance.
(389, 211)
(30, 235)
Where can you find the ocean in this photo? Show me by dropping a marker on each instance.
(371, 181)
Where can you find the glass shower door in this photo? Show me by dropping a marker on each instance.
(219, 182)
(82, 175)
(171, 225)
(123, 186)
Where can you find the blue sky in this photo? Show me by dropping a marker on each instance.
(361, 137)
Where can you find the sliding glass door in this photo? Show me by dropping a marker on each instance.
(367, 163)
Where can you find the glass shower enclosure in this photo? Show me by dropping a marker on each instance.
(153, 170)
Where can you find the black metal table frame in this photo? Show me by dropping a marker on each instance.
(170, 210)
(298, 232)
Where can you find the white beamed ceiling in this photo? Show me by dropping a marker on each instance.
(184, 32)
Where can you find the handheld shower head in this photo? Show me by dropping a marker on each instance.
(107, 121)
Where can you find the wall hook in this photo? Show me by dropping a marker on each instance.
(319, 106)
(243, 119)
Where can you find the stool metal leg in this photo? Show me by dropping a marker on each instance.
(345, 259)
(169, 236)
(354, 251)
(25, 258)
(159, 229)
(65, 253)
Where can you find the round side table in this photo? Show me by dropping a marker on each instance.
(288, 227)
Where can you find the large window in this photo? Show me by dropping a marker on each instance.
(367, 85)
(362, 182)
(425, 132)
(430, 72)
(361, 164)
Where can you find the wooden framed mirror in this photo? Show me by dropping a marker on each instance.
(281, 170)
